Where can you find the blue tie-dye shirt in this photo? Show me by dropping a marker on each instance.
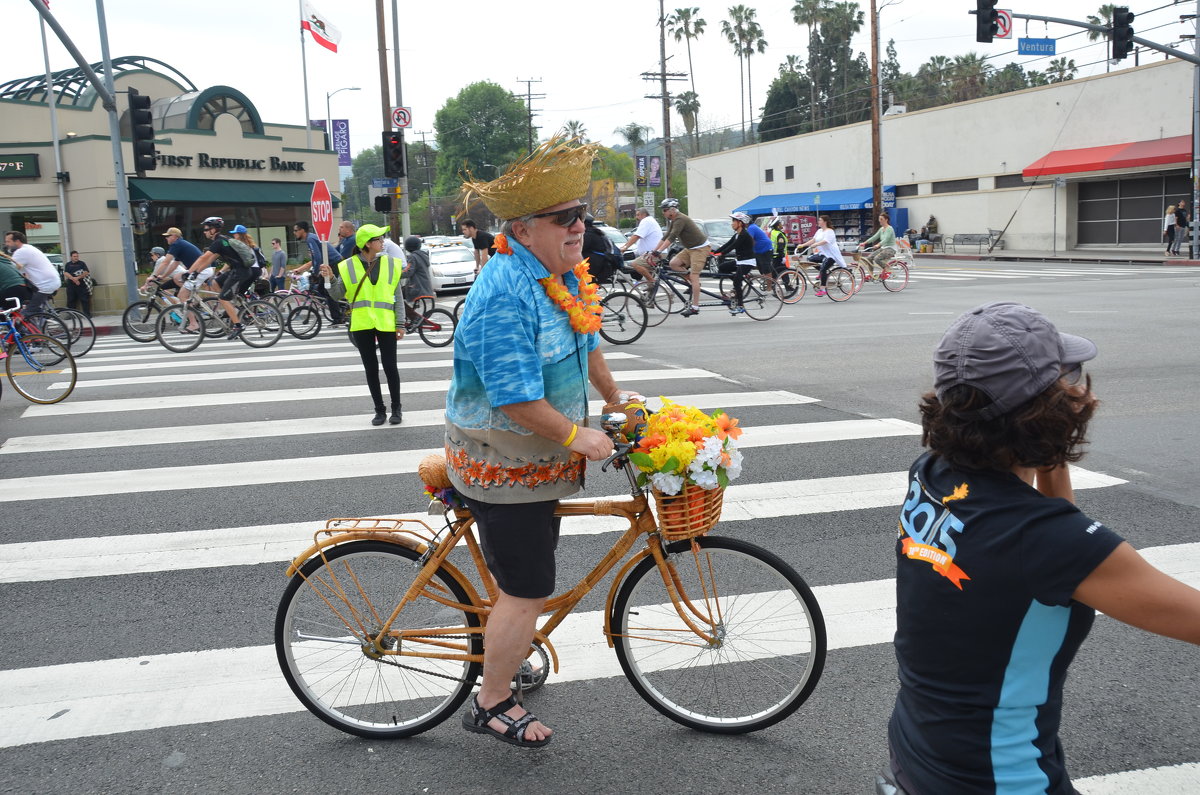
(515, 345)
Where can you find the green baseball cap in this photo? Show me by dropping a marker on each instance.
(369, 232)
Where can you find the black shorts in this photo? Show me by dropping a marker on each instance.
(238, 282)
(518, 543)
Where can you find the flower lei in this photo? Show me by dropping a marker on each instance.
(584, 312)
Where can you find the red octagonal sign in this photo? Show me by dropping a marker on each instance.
(321, 206)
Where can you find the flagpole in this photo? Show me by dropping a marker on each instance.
(304, 66)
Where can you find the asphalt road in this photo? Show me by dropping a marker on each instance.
(138, 648)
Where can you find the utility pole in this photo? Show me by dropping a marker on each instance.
(402, 184)
(385, 98)
(662, 76)
(876, 151)
(529, 98)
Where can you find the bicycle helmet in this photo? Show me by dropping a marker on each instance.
(159, 250)
(745, 219)
(412, 243)
(214, 221)
(775, 221)
(669, 204)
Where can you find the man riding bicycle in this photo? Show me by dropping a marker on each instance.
(241, 276)
(686, 232)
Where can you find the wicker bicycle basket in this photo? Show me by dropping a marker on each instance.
(690, 513)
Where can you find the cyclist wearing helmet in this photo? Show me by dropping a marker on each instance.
(779, 243)
(743, 244)
(687, 233)
(418, 280)
(241, 278)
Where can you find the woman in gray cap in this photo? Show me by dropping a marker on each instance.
(999, 575)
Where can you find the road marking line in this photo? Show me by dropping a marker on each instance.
(103, 697)
(36, 561)
(101, 406)
(95, 440)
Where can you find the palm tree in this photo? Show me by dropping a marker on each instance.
(745, 34)
(1061, 70)
(686, 24)
(635, 135)
(1105, 18)
(970, 73)
(687, 105)
(811, 14)
(575, 129)
(935, 75)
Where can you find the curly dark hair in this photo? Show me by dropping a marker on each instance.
(1049, 430)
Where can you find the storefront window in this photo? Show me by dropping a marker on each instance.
(40, 225)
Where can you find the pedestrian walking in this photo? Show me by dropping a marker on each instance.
(1181, 227)
(278, 264)
(1169, 228)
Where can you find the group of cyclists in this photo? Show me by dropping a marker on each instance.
(752, 246)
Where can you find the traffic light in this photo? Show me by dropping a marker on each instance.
(383, 203)
(986, 24)
(141, 130)
(393, 154)
(1122, 32)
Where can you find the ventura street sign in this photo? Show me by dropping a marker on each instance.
(1035, 46)
(321, 207)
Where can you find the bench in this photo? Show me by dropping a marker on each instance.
(979, 240)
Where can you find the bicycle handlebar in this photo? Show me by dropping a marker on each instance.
(16, 302)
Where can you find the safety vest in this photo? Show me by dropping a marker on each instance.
(372, 305)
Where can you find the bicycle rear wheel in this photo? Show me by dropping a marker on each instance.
(304, 322)
(839, 284)
(40, 368)
(329, 615)
(760, 298)
(50, 326)
(437, 328)
(768, 636)
(138, 320)
(172, 329)
(897, 276)
(82, 330)
(261, 324)
(623, 318)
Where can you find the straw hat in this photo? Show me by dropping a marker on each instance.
(554, 173)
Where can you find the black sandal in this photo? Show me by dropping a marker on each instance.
(476, 720)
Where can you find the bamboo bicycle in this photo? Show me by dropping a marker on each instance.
(380, 635)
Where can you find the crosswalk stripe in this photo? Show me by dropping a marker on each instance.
(226, 375)
(90, 699)
(394, 462)
(251, 546)
(243, 354)
(101, 406)
(95, 440)
(1151, 781)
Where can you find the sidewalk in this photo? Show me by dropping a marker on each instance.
(1104, 256)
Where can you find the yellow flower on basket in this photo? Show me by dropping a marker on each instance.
(683, 445)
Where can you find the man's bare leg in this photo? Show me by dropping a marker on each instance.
(509, 632)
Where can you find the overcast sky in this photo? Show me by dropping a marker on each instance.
(588, 56)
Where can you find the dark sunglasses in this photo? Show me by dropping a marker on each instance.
(1072, 373)
(565, 217)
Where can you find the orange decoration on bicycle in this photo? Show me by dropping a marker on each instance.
(584, 311)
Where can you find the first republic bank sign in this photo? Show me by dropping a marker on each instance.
(204, 160)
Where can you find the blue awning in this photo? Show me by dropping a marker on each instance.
(786, 203)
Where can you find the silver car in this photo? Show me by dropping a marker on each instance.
(451, 266)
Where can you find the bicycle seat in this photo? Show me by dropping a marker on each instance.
(432, 470)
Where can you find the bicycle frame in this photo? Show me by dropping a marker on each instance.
(434, 552)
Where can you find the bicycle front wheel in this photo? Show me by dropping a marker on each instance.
(657, 300)
(791, 286)
(896, 276)
(331, 612)
(437, 328)
(623, 318)
(261, 324)
(40, 368)
(761, 298)
(138, 320)
(179, 329)
(765, 648)
(840, 284)
(304, 322)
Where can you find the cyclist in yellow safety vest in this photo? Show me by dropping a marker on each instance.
(779, 241)
(370, 283)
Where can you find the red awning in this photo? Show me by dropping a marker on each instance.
(1138, 154)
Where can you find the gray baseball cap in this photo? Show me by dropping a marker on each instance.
(1008, 351)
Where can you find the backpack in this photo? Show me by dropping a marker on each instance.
(244, 252)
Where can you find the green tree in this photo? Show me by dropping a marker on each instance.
(970, 75)
(687, 105)
(575, 129)
(812, 14)
(1010, 78)
(849, 86)
(934, 75)
(787, 111)
(635, 135)
(745, 35)
(367, 165)
(890, 68)
(686, 24)
(1061, 70)
(481, 131)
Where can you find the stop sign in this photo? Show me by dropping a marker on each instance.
(321, 206)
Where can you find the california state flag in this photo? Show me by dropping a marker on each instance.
(320, 27)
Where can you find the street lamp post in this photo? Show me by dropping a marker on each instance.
(329, 117)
